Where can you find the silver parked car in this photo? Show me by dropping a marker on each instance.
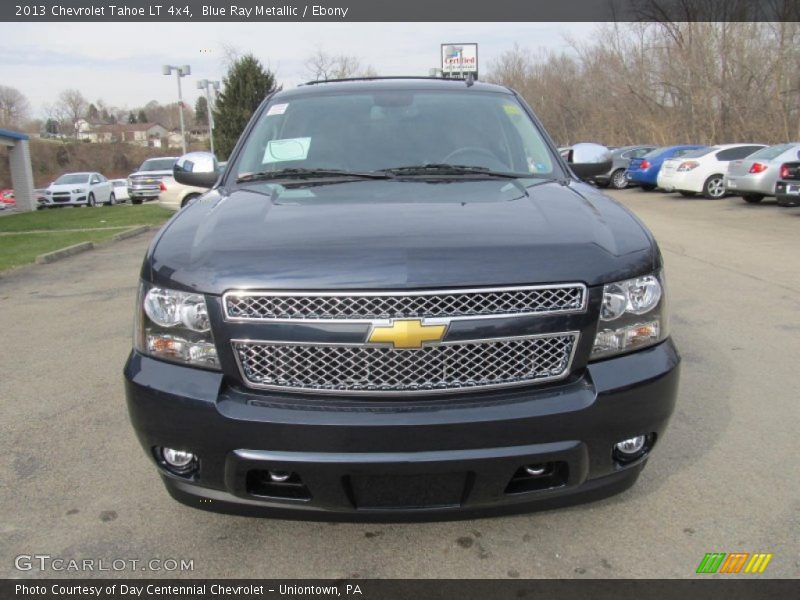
(755, 177)
(621, 157)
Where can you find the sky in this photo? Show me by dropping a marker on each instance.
(120, 63)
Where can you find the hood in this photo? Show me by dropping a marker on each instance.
(151, 173)
(68, 187)
(399, 235)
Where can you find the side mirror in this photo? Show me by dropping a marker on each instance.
(198, 169)
(589, 160)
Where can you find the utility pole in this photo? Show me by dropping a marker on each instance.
(205, 84)
(181, 71)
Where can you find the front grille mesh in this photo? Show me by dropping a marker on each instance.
(366, 369)
(255, 306)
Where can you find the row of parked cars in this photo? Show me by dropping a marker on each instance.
(152, 181)
(752, 171)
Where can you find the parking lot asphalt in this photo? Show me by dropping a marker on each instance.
(74, 482)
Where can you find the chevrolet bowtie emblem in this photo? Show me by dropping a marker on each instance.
(406, 334)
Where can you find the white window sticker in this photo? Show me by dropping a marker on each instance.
(289, 149)
(277, 109)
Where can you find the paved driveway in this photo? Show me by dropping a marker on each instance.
(74, 482)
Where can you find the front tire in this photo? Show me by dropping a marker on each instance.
(90, 202)
(752, 198)
(136, 200)
(714, 188)
(617, 180)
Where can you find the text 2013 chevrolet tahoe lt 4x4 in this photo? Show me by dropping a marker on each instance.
(399, 300)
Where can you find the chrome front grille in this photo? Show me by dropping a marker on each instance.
(334, 306)
(448, 366)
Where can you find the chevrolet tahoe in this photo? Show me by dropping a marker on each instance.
(399, 301)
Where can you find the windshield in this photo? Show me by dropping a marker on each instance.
(73, 178)
(655, 152)
(771, 151)
(698, 153)
(367, 132)
(158, 164)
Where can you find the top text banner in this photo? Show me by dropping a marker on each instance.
(399, 10)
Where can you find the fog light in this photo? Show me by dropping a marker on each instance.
(536, 470)
(631, 448)
(279, 476)
(178, 461)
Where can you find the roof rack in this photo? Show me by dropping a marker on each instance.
(379, 78)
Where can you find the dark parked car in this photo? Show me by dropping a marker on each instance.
(787, 189)
(621, 158)
(398, 300)
(644, 171)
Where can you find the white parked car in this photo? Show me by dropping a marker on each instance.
(702, 171)
(755, 177)
(120, 189)
(79, 189)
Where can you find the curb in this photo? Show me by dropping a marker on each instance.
(129, 233)
(64, 253)
(84, 246)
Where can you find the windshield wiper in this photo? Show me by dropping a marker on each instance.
(300, 173)
(448, 169)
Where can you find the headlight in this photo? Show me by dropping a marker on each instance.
(129, 182)
(633, 316)
(174, 326)
(78, 191)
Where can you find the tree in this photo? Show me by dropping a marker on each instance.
(71, 106)
(322, 67)
(201, 111)
(92, 112)
(141, 117)
(14, 107)
(244, 87)
(51, 126)
(131, 118)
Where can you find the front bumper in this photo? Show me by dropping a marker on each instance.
(421, 458)
(71, 200)
(144, 191)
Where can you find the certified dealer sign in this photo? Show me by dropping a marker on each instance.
(459, 58)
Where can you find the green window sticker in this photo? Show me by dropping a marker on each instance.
(286, 150)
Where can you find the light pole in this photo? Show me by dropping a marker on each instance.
(181, 71)
(205, 84)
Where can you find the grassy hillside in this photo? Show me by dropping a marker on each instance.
(51, 158)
